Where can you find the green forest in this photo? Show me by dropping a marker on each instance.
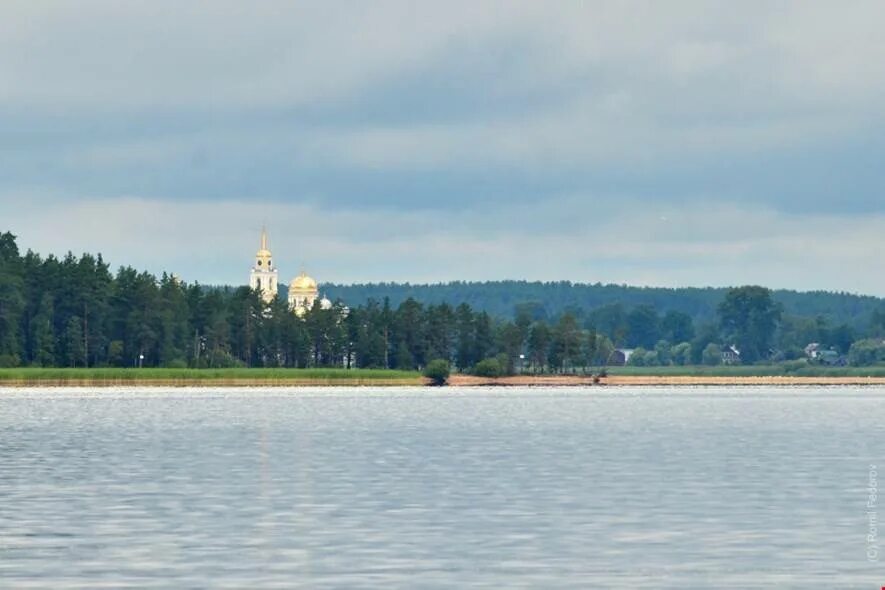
(75, 312)
(500, 299)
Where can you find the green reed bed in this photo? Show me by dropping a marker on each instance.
(159, 375)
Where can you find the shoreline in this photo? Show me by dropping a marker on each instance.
(671, 380)
(258, 382)
(456, 381)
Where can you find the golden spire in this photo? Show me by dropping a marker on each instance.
(263, 255)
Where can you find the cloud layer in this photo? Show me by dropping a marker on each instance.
(711, 244)
(697, 143)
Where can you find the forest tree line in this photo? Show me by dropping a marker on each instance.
(499, 298)
(74, 312)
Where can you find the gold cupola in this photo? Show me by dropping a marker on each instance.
(303, 283)
(303, 292)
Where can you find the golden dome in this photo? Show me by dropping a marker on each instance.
(303, 283)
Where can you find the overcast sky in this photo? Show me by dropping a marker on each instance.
(651, 143)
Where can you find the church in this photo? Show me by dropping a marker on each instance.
(264, 278)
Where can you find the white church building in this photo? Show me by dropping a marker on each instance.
(264, 278)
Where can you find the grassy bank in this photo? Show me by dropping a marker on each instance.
(111, 376)
(750, 371)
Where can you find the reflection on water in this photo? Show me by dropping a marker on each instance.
(404, 488)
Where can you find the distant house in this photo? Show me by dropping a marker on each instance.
(812, 350)
(815, 352)
(731, 356)
(620, 356)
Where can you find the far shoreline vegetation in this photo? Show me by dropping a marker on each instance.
(281, 377)
(245, 376)
(71, 319)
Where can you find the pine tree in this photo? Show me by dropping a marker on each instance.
(73, 342)
(465, 347)
(42, 334)
(12, 302)
(483, 340)
(403, 359)
(539, 345)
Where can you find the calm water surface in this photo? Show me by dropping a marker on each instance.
(456, 488)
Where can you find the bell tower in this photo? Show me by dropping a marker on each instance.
(264, 276)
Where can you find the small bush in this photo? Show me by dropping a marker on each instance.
(438, 371)
(712, 355)
(681, 354)
(488, 368)
(864, 353)
(506, 364)
(223, 360)
(638, 358)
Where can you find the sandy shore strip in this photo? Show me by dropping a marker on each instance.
(575, 380)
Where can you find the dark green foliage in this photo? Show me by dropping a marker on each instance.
(643, 327)
(680, 354)
(566, 350)
(799, 369)
(548, 300)
(512, 342)
(72, 343)
(437, 371)
(662, 353)
(74, 312)
(877, 321)
(603, 348)
(489, 367)
(705, 334)
(712, 355)
(12, 301)
(748, 318)
(538, 346)
(868, 352)
(403, 360)
(611, 319)
(42, 338)
(677, 327)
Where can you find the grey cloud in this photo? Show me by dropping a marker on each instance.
(516, 125)
(210, 242)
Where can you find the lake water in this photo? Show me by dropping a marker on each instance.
(450, 488)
